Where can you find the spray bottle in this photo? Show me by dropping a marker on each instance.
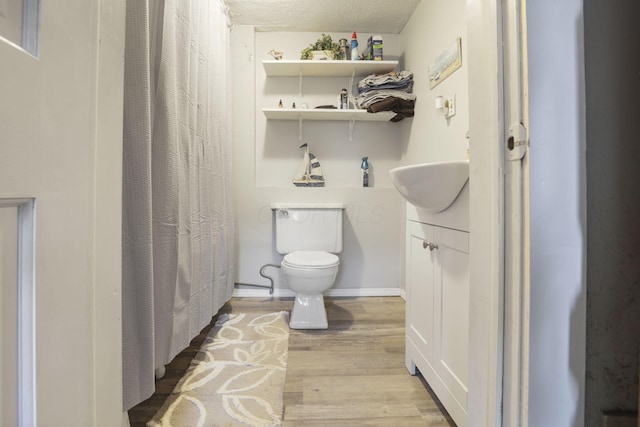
(354, 46)
(365, 172)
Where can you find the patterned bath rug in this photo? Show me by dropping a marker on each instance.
(237, 377)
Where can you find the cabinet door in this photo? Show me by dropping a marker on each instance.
(451, 295)
(420, 289)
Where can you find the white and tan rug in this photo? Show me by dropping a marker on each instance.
(237, 377)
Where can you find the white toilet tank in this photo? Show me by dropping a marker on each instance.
(308, 227)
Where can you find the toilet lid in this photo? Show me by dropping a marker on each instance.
(311, 259)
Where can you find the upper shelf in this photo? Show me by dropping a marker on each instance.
(308, 68)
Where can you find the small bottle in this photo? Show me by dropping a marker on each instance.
(377, 48)
(365, 171)
(345, 53)
(354, 46)
(344, 99)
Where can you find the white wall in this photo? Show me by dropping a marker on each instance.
(558, 219)
(277, 155)
(433, 28)
(266, 158)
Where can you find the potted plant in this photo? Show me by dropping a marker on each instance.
(323, 48)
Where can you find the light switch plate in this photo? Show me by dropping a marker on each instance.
(451, 106)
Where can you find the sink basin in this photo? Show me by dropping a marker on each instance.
(431, 186)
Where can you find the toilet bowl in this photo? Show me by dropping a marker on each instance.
(309, 274)
(309, 236)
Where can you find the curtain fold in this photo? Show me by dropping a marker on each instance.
(177, 207)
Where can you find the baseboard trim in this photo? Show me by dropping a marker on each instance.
(338, 293)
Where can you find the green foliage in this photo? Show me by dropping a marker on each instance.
(324, 43)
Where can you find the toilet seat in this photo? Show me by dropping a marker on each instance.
(310, 259)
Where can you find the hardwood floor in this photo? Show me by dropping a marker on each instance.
(351, 374)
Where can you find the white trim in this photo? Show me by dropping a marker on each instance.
(26, 309)
(337, 293)
(486, 228)
(515, 359)
(364, 292)
(293, 205)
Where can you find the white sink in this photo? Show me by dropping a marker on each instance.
(431, 186)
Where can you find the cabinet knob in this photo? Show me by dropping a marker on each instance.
(431, 246)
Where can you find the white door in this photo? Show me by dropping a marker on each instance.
(60, 177)
(421, 279)
(451, 315)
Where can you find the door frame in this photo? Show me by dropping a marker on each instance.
(516, 287)
(501, 176)
(486, 185)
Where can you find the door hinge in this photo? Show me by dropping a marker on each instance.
(517, 142)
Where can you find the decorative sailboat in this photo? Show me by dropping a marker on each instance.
(310, 173)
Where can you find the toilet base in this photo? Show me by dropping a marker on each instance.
(308, 313)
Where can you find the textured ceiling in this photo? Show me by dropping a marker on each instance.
(369, 16)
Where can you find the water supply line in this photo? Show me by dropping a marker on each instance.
(265, 276)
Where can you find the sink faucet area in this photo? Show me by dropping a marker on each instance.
(431, 186)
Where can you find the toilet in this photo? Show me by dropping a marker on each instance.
(309, 235)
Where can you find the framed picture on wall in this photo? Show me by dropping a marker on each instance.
(445, 64)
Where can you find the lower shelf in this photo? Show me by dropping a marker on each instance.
(326, 114)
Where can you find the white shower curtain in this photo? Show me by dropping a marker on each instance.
(178, 227)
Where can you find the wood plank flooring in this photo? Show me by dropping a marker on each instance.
(351, 374)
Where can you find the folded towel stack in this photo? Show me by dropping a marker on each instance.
(388, 92)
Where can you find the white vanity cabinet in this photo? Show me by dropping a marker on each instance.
(437, 310)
